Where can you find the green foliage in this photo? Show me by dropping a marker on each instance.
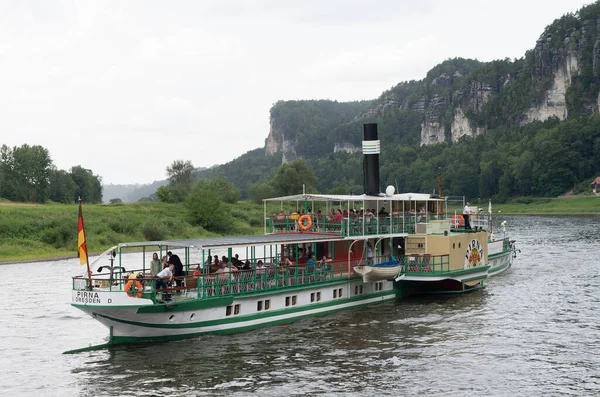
(260, 191)
(291, 177)
(181, 178)
(206, 209)
(163, 194)
(89, 186)
(153, 230)
(223, 187)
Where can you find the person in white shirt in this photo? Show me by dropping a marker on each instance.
(165, 275)
(466, 213)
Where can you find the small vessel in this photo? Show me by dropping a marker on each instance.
(329, 253)
(379, 271)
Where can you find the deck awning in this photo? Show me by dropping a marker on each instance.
(362, 197)
(233, 241)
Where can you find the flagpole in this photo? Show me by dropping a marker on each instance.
(87, 258)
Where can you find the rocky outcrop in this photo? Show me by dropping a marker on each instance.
(345, 147)
(462, 126)
(562, 64)
(276, 143)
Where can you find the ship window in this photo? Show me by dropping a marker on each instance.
(236, 309)
(339, 293)
(228, 310)
(318, 296)
(294, 300)
(356, 290)
(360, 289)
(458, 245)
(171, 317)
(312, 297)
(259, 306)
(192, 316)
(453, 245)
(267, 304)
(287, 301)
(334, 293)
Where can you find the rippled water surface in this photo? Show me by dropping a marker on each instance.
(534, 330)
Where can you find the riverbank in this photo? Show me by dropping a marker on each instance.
(49, 232)
(30, 233)
(566, 205)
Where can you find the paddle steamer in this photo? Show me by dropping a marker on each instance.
(410, 245)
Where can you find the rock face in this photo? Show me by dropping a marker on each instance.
(276, 143)
(458, 98)
(345, 147)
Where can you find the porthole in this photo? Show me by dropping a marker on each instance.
(192, 316)
(458, 245)
(453, 245)
(171, 317)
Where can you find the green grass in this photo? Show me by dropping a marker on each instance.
(50, 230)
(550, 206)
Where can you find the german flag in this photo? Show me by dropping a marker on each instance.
(81, 246)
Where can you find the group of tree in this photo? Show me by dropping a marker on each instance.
(27, 174)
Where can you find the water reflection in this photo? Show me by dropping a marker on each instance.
(532, 331)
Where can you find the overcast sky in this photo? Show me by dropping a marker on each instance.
(126, 87)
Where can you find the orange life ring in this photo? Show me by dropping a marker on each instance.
(458, 220)
(308, 224)
(133, 292)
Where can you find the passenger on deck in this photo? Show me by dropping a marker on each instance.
(164, 277)
(197, 272)
(236, 261)
(383, 212)
(247, 265)
(310, 264)
(323, 263)
(285, 262)
(178, 271)
(165, 262)
(224, 268)
(369, 254)
(260, 269)
(155, 267)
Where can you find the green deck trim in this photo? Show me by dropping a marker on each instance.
(130, 339)
(503, 267)
(257, 315)
(453, 273)
(193, 304)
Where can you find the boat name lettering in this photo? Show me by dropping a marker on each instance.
(89, 297)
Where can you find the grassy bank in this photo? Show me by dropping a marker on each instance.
(550, 206)
(29, 232)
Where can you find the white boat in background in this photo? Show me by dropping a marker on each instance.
(380, 271)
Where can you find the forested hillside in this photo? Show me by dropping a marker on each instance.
(527, 126)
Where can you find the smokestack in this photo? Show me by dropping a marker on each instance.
(370, 146)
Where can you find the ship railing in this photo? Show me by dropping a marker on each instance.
(349, 226)
(220, 284)
(426, 263)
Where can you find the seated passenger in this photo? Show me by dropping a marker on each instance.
(197, 272)
(164, 277)
(285, 262)
(310, 263)
(260, 269)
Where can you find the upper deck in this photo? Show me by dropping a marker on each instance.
(356, 216)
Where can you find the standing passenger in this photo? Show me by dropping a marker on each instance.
(178, 269)
(155, 267)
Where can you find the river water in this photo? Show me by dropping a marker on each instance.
(533, 331)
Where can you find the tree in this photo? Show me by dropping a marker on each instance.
(181, 178)
(62, 187)
(25, 173)
(89, 186)
(290, 178)
(206, 209)
(260, 191)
